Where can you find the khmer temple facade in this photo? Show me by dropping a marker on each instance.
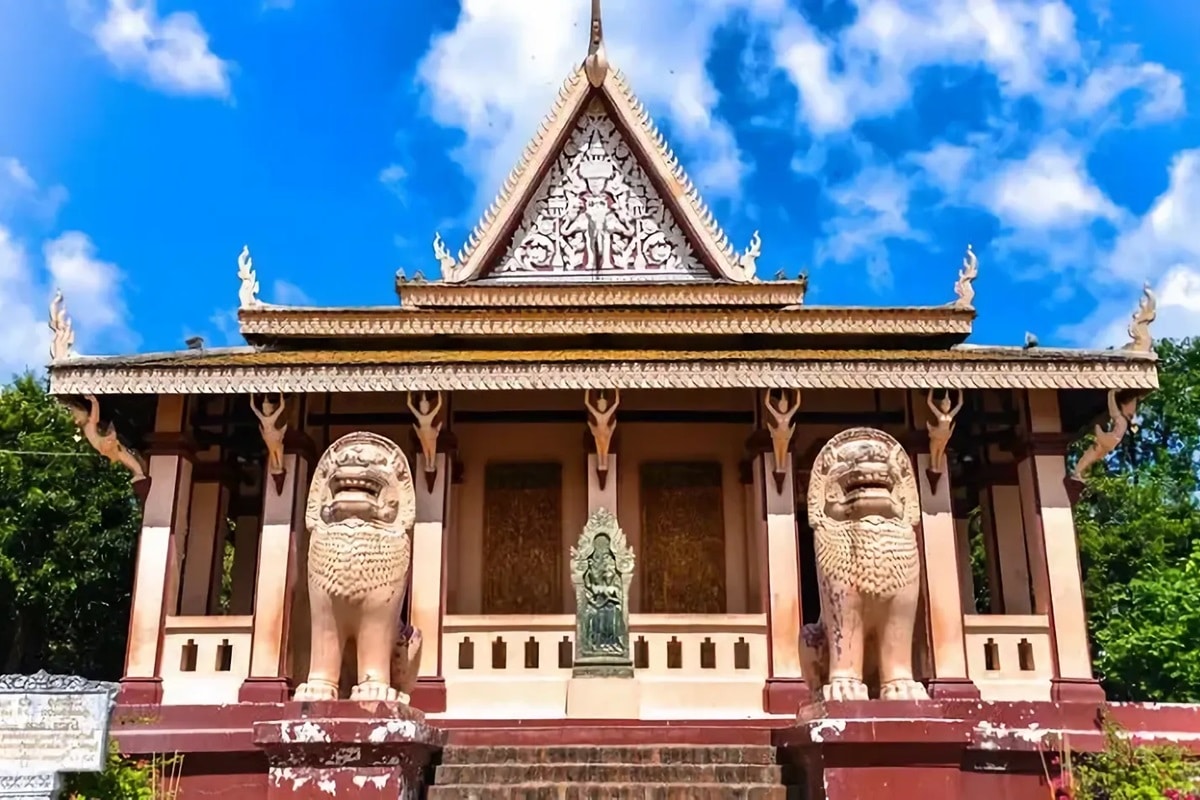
(361, 550)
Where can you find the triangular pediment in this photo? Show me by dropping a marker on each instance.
(598, 197)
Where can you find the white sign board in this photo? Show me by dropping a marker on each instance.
(53, 723)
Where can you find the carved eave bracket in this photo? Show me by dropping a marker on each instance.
(428, 430)
(780, 412)
(104, 440)
(1105, 440)
(62, 333)
(1140, 340)
(248, 292)
(273, 427)
(941, 429)
(602, 422)
(964, 287)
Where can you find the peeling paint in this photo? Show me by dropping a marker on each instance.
(404, 727)
(378, 781)
(818, 730)
(327, 785)
(306, 732)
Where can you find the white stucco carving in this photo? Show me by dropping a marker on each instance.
(597, 215)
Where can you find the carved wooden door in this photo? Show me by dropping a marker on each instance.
(522, 539)
(683, 538)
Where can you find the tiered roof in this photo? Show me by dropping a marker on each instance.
(599, 265)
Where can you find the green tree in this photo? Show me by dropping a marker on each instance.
(1139, 528)
(68, 522)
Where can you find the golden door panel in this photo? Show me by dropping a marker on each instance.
(683, 538)
(522, 538)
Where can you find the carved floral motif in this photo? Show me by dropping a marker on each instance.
(595, 213)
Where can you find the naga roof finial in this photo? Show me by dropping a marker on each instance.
(1140, 340)
(595, 66)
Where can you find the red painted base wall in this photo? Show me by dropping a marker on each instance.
(927, 751)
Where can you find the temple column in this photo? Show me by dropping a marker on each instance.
(279, 538)
(785, 691)
(156, 571)
(428, 598)
(941, 561)
(1053, 550)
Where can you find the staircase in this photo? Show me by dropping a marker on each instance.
(644, 772)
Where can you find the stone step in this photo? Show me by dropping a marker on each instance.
(637, 754)
(611, 791)
(508, 774)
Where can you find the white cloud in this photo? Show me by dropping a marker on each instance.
(69, 262)
(24, 337)
(1049, 188)
(872, 209)
(393, 177)
(1157, 90)
(496, 73)
(869, 69)
(1162, 247)
(286, 293)
(20, 193)
(172, 53)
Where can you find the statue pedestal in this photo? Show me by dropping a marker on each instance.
(603, 696)
(370, 750)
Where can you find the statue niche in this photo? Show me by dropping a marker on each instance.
(602, 571)
(862, 506)
(360, 515)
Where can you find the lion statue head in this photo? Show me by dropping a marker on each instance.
(362, 479)
(860, 475)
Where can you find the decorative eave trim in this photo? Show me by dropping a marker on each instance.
(780, 294)
(664, 167)
(71, 379)
(387, 322)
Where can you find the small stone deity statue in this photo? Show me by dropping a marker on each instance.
(941, 428)
(426, 428)
(602, 423)
(272, 435)
(602, 570)
(602, 586)
(105, 441)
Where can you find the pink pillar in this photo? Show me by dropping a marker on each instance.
(1054, 551)
(282, 524)
(428, 598)
(940, 563)
(164, 524)
(785, 691)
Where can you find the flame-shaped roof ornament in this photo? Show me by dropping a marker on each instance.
(595, 66)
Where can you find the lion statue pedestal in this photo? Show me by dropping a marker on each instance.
(863, 508)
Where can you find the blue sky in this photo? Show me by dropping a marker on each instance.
(142, 144)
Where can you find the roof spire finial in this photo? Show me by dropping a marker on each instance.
(595, 66)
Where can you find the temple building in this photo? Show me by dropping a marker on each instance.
(599, 343)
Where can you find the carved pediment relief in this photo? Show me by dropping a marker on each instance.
(596, 215)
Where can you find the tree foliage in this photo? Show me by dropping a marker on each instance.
(1139, 539)
(68, 522)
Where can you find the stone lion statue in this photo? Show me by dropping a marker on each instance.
(360, 515)
(863, 506)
